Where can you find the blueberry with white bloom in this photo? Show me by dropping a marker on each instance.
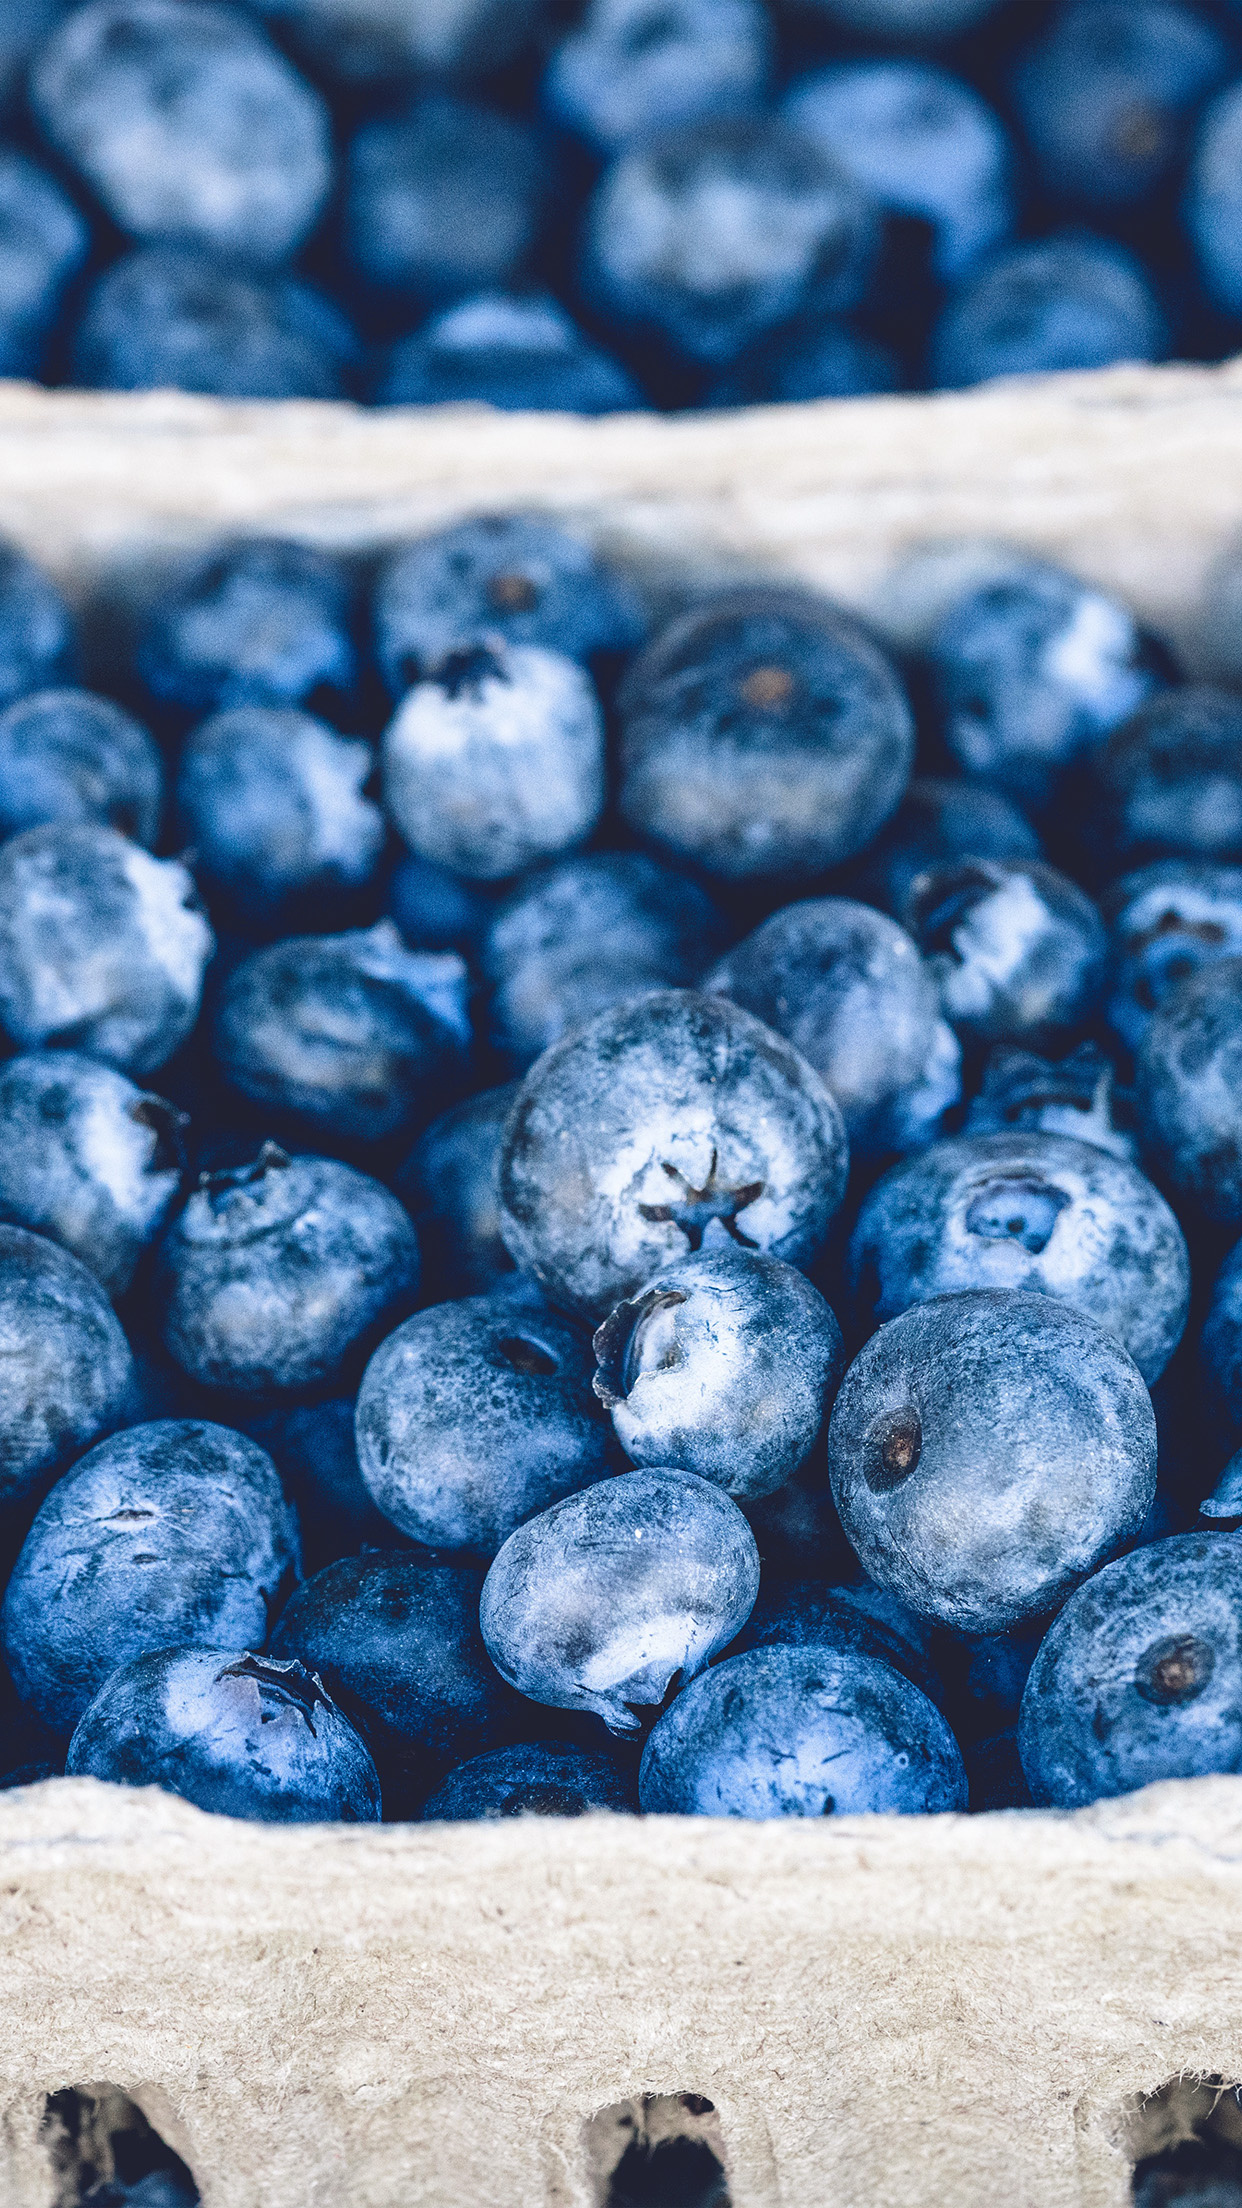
(1169, 781)
(520, 352)
(1167, 921)
(1019, 950)
(87, 1158)
(1074, 1095)
(848, 988)
(988, 1450)
(1045, 305)
(536, 1778)
(68, 1375)
(1037, 1212)
(102, 948)
(673, 1123)
(614, 1596)
(1188, 1089)
(66, 755)
(496, 760)
(174, 317)
(266, 622)
(633, 66)
(936, 821)
(44, 241)
(442, 198)
(38, 645)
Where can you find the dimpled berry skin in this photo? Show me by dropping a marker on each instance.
(1041, 1213)
(1019, 951)
(65, 1367)
(102, 947)
(67, 755)
(801, 1732)
(986, 1451)
(763, 734)
(471, 1417)
(168, 1534)
(1140, 1676)
(277, 1273)
(613, 1595)
(243, 1735)
(669, 1124)
(724, 1365)
(537, 1778)
(87, 1159)
(1188, 1085)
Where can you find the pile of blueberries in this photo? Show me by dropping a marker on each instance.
(668, 1263)
(629, 203)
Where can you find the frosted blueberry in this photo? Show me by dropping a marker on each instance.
(613, 1597)
(939, 821)
(1018, 950)
(1188, 1089)
(520, 352)
(537, 1778)
(449, 1184)
(66, 1373)
(258, 623)
(87, 1159)
(66, 755)
(443, 198)
(171, 317)
(1170, 780)
(1046, 305)
(38, 646)
(633, 66)
(44, 241)
(1167, 922)
(1072, 1096)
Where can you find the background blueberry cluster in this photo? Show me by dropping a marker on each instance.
(643, 202)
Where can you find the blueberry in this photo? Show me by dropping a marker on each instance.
(633, 66)
(801, 1732)
(43, 244)
(921, 20)
(586, 933)
(496, 760)
(671, 1123)
(709, 233)
(1140, 1677)
(763, 734)
(25, 23)
(68, 1372)
(1047, 304)
(354, 1034)
(1169, 782)
(270, 800)
(102, 947)
(1189, 1089)
(725, 1365)
(507, 575)
(1039, 1212)
(395, 1639)
(816, 359)
(1033, 669)
(986, 1451)
(312, 1447)
(187, 125)
(805, 1614)
(449, 1184)
(1221, 1344)
(258, 623)
(369, 44)
(38, 646)
(614, 1596)
(435, 909)
(277, 1274)
(936, 821)
(518, 352)
(1214, 198)
(442, 198)
(921, 142)
(1167, 921)
(157, 2189)
(66, 755)
(168, 317)
(86, 1159)
(169, 1534)
(846, 986)
(1072, 1096)
(1223, 1507)
(1018, 950)
(243, 1735)
(538, 1778)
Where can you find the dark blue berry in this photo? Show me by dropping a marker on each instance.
(538, 1778)
(442, 198)
(259, 623)
(38, 645)
(815, 359)
(1018, 950)
(450, 1186)
(66, 755)
(1167, 921)
(634, 66)
(1048, 304)
(520, 352)
(174, 317)
(44, 241)
(1072, 1096)
(939, 821)
(1169, 782)
(1188, 1089)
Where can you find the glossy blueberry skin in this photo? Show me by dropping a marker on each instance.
(279, 1274)
(537, 1778)
(1188, 1090)
(847, 987)
(43, 244)
(86, 1159)
(353, 1034)
(166, 1535)
(763, 734)
(799, 235)
(102, 948)
(588, 932)
(521, 353)
(1214, 200)
(1045, 305)
(1018, 950)
(815, 359)
(1041, 1213)
(801, 1732)
(38, 644)
(186, 124)
(805, 1614)
(1221, 1343)
(242, 1735)
(66, 755)
(633, 66)
(1167, 921)
(670, 1123)
(986, 1451)
(607, 1599)
(1169, 782)
(67, 1369)
(449, 1185)
(725, 1365)
(510, 575)
(442, 199)
(471, 1417)
(395, 1639)
(938, 821)
(172, 317)
(1140, 1677)
(258, 623)
(1073, 1096)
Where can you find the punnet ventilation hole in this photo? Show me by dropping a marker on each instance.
(101, 2149)
(1186, 2145)
(660, 2150)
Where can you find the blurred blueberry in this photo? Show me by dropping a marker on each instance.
(1073, 1096)
(1213, 210)
(537, 1778)
(919, 21)
(434, 908)
(44, 241)
(804, 1614)
(1170, 780)
(168, 1534)
(86, 1159)
(352, 1034)
(847, 987)
(521, 353)
(169, 317)
(1223, 1507)
(1221, 1344)
(673, 1123)
(156, 2189)
(367, 45)
(817, 359)
(763, 734)
(245, 1736)
(449, 1184)
(987, 1450)
(23, 26)
(1167, 921)
(68, 1372)
(278, 1274)
(725, 1365)
(1189, 1090)
(312, 1447)
(441, 199)
(936, 821)
(66, 755)
(258, 623)
(1046, 305)
(102, 947)
(38, 646)
(613, 1597)
(187, 125)
(1019, 951)
(710, 233)
(801, 1732)
(634, 66)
